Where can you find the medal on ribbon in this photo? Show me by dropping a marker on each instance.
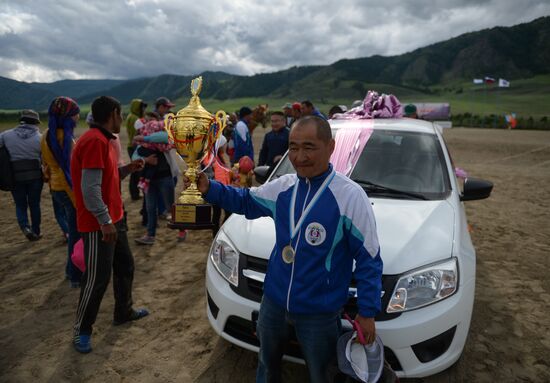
(289, 253)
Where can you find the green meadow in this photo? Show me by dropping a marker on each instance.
(525, 97)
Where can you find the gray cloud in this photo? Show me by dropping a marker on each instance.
(54, 39)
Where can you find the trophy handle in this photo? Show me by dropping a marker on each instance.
(221, 121)
(169, 126)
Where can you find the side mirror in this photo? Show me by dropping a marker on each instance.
(261, 173)
(476, 188)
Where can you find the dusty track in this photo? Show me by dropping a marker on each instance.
(509, 337)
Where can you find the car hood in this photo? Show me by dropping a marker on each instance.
(411, 233)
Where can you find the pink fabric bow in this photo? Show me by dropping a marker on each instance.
(374, 106)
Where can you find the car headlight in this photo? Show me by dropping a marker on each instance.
(422, 287)
(225, 258)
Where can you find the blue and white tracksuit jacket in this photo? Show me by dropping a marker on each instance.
(339, 229)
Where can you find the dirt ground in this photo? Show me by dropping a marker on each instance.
(509, 338)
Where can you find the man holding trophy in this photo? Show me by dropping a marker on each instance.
(324, 222)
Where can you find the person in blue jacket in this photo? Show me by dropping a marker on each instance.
(242, 137)
(324, 222)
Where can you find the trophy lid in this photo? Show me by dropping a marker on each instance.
(195, 109)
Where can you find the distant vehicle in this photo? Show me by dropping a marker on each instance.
(429, 261)
(439, 113)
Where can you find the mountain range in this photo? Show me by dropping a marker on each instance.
(520, 51)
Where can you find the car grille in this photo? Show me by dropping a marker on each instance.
(250, 287)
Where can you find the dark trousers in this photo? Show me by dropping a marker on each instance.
(316, 333)
(59, 214)
(159, 189)
(134, 178)
(100, 258)
(64, 203)
(216, 217)
(26, 196)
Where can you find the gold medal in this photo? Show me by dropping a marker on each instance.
(288, 254)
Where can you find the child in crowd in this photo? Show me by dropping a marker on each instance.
(222, 174)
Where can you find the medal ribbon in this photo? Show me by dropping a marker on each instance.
(295, 228)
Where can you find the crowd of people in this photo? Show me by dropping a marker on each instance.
(84, 177)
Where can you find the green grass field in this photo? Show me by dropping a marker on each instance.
(527, 98)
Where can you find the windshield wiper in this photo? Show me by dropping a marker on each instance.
(376, 188)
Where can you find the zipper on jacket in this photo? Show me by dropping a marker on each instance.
(296, 248)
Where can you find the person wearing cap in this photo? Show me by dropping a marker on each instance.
(275, 143)
(296, 111)
(324, 223)
(23, 146)
(410, 111)
(308, 109)
(100, 220)
(137, 111)
(241, 136)
(163, 106)
(287, 111)
(57, 145)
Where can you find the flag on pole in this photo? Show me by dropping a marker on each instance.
(489, 80)
(478, 81)
(503, 83)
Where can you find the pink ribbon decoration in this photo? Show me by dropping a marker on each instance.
(374, 106)
(350, 139)
(461, 173)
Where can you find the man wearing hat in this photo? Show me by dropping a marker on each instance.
(23, 146)
(241, 136)
(287, 111)
(163, 106)
(296, 111)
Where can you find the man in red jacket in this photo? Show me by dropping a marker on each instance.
(100, 220)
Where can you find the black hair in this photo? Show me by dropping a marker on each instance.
(324, 132)
(335, 109)
(278, 113)
(103, 107)
(308, 103)
(245, 111)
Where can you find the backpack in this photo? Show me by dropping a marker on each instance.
(7, 179)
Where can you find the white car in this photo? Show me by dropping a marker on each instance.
(429, 262)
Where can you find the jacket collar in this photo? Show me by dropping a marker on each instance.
(106, 133)
(320, 178)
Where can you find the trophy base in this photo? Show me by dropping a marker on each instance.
(191, 217)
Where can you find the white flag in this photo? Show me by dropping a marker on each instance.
(478, 81)
(503, 83)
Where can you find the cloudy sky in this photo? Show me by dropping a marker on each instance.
(48, 40)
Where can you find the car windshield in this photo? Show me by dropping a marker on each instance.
(397, 164)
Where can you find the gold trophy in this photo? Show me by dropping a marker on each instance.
(194, 132)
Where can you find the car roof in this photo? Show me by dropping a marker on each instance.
(397, 124)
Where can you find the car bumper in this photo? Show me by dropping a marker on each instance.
(403, 336)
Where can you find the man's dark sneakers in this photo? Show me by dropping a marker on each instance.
(134, 315)
(82, 343)
(28, 233)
